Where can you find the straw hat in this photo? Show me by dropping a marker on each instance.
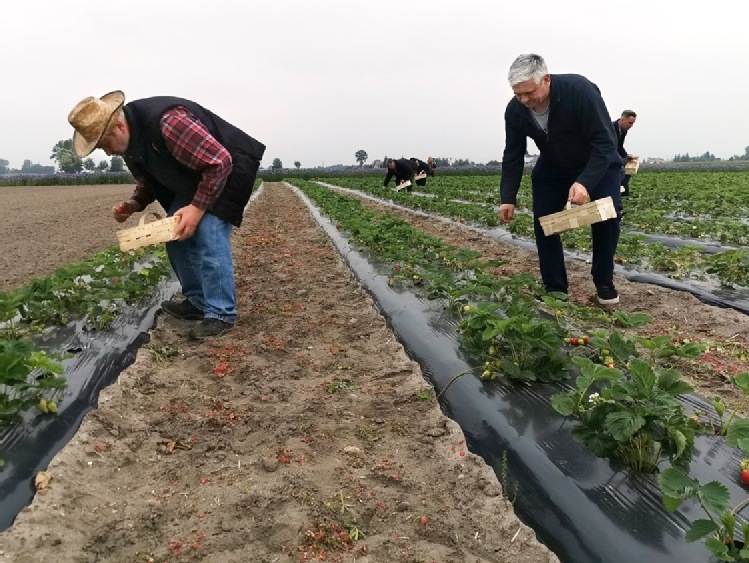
(92, 119)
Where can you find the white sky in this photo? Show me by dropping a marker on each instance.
(318, 80)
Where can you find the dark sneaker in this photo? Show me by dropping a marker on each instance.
(210, 328)
(607, 294)
(182, 310)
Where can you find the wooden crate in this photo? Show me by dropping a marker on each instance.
(405, 184)
(147, 234)
(573, 217)
(631, 168)
(420, 176)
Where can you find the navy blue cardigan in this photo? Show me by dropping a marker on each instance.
(580, 142)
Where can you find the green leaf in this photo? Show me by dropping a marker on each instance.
(719, 406)
(738, 430)
(679, 439)
(677, 485)
(718, 549)
(632, 321)
(642, 374)
(715, 497)
(691, 350)
(563, 404)
(700, 528)
(671, 503)
(742, 381)
(621, 425)
(670, 381)
(743, 443)
(621, 348)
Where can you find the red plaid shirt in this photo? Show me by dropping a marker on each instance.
(194, 147)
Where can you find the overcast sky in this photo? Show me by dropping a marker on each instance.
(318, 80)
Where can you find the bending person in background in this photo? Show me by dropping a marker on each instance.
(567, 118)
(421, 168)
(201, 169)
(404, 171)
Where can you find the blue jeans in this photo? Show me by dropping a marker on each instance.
(550, 192)
(203, 265)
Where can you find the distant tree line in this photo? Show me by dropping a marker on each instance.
(65, 161)
(27, 168)
(709, 157)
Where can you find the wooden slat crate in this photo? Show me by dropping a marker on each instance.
(420, 176)
(571, 218)
(631, 168)
(146, 234)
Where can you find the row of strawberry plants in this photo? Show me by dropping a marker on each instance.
(729, 268)
(625, 397)
(93, 292)
(714, 204)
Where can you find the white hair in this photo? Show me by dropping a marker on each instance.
(527, 67)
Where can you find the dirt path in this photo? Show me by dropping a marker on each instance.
(304, 434)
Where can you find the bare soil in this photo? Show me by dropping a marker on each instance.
(305, 434)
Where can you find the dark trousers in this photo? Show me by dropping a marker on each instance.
(625, 183)
(550, 193)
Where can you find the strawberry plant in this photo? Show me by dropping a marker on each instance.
(28, 378)
(634, 418)
(720, 526)
(516, 342)
(663, 346)
(731, 267)
(735, 431)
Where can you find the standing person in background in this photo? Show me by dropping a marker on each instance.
(421, 168)
(432, 166)
(621, 126)
(200, 168)
(404, 171)
(567, 118)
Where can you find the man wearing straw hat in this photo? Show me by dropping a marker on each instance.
(200, 168)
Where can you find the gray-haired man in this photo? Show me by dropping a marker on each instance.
(567, 118)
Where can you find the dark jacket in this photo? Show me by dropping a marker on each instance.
(620, 136)
(580, 142)
(150, 160)
(404, 170)
(421, 166)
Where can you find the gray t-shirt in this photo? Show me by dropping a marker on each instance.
(542, 119)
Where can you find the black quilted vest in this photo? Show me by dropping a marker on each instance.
(148, 157)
